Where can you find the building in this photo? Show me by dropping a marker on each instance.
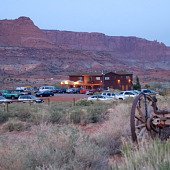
(114, 80)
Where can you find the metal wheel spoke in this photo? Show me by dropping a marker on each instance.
(140, 119)
(142, 132)
(140, 112)
(140, 126)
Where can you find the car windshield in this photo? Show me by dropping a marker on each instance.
(33, 97)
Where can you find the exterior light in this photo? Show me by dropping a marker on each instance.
(61, 82)
(118, 81)
(66, 82)
(129, 80)
(76, 83)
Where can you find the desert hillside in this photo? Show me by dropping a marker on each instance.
(28, 51)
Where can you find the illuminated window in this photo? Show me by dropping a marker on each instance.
(97, 78)
(107, 78)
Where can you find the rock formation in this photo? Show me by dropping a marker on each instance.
(26, 50)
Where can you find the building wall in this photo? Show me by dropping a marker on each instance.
(116, 81)
(111, 80)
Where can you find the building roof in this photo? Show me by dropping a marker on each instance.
(99, 73)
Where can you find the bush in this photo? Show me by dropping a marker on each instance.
(3, 117)
(96, 113)
(15, 125)
(149, 155)
(59, 115)
(84, 103)
(78, 116)
(52, 147)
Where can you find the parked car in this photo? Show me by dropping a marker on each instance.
(125, 94)
(30, 98)
(47, 88)
(62, 90)
(4, 100)
(99, 97)
(84, 91)
(22, 92)
(151, 92)
(73, 90)
(110, 94)
(44, 94)
(10, 94)
(90, 92)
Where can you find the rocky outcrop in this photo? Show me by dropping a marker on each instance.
(101, 42)
(22, 32)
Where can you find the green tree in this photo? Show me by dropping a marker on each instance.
(137, 85)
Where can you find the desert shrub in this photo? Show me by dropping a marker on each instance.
(59, 115)
(23, 115)
(4, 116)
(53, 147)
(15, 125)
(22, 111)
(150, 155)
(84, 103)
(96, 113)
(40, 116)
(109, 135)
(89, 114)
(79, 115)
(111, 143)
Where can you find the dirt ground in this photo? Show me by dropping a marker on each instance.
(65, 97)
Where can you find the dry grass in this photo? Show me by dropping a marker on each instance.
(56, 139)
(51, 146)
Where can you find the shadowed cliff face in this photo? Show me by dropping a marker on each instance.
(26, 50)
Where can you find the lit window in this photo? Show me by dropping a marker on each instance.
(97, 78)
(107, 78)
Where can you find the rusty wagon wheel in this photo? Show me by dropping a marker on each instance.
(141, 118)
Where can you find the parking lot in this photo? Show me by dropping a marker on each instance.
(67, 97)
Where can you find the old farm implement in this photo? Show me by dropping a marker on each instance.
(147, 121)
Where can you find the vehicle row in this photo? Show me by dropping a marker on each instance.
(22, 98)
(122, 95)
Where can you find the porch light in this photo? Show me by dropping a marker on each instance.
(75, 83)
(66, 82)
(129, 80)
(118, 81)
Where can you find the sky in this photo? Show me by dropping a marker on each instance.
(149, 19)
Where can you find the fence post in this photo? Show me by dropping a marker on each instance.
(7, 109)
(74, 101)
(48, 100)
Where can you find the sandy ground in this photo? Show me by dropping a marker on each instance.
(66, 97)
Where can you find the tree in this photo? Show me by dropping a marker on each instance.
(137, 85)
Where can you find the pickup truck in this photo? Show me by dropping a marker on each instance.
(9, 94)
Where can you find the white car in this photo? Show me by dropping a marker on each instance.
(99, 97)
(47, 88)
(126, 94)
(29, 98)
(108, 94)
